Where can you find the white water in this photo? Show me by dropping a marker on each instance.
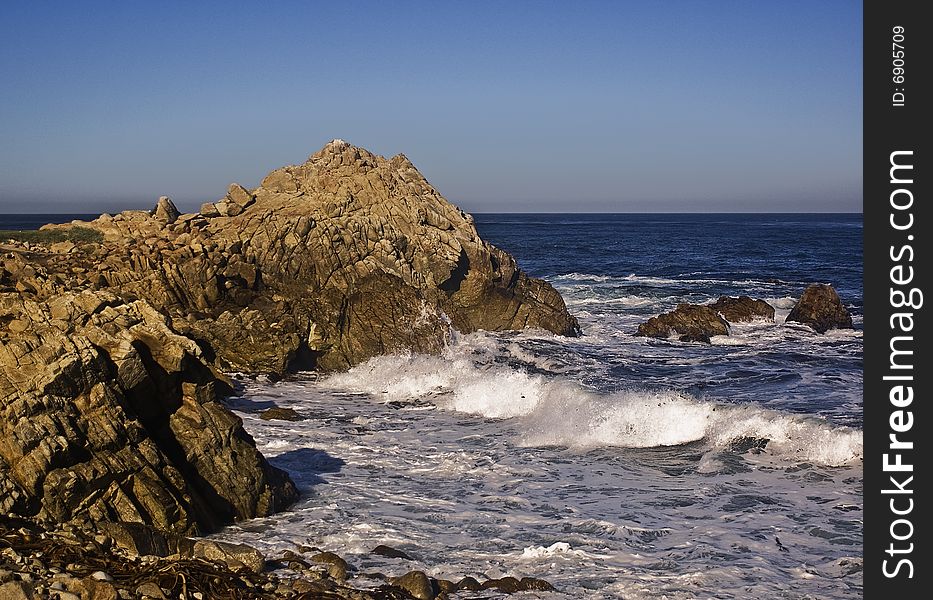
(610, 465)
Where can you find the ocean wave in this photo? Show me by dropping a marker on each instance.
(556, 411)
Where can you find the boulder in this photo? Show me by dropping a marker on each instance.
(820, 308)
(417, 584)
(240, 195)
(208, 209)
(691, 322)
(336, 566)
(165, 211)
(742, 309)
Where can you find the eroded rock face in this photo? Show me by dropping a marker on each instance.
(107, 414)
(820, 308)
(742, 309)
(691, 322)
(111, 346)
(326, 264)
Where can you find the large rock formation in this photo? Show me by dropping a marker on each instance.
(112, 338)
(691, 323)
(742, 309)
(347, 256)
(106, 414)
(820, 308)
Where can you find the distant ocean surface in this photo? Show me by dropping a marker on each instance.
(24, 222)
(613, 466)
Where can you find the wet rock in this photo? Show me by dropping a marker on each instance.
(691, 322)
(390, 552)
(534, 584)
(280, 414)
(820, 308)
(469, 584)
(742, 309)
(336, 566)
(507, 585)
(417, 584)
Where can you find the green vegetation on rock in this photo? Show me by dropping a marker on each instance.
(50, 236)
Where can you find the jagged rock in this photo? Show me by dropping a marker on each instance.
(742, 309)
(110, 353)
(347, 256)
(692, 322)
(107, 414)
(165, 211)
(240, 195)
(820, 308)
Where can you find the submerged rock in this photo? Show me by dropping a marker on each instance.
(390, 552)
(280, 414)
(820, 308)
(691, 322)
(742, 309)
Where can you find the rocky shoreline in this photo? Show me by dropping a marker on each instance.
(115, 335)
(130, 561)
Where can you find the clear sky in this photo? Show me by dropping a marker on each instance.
(679, 105)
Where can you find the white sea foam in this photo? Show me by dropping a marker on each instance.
(556, 411)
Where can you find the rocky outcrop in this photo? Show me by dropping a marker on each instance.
(690, 322)
(112, 342)
(107, 414)
(324, 265)
(742, 309)
(820, 308)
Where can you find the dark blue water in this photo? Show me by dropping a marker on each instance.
(796, 248)
(616, 271)
(35, 221)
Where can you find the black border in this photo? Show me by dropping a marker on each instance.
(889, 128)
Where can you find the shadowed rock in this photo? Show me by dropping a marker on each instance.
(107, 414)
(742, 309)
(691, 322)
(820, 308)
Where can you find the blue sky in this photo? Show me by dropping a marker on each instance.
(677, 105)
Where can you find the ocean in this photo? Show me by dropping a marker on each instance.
(613, 466)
